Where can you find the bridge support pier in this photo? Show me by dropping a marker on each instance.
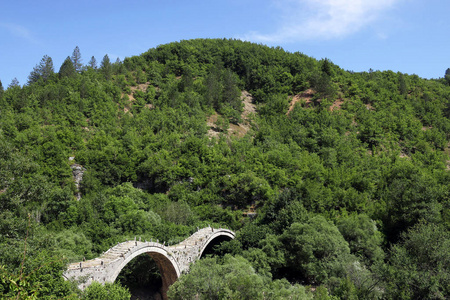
(167, 271)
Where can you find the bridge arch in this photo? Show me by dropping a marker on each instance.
(168, 267)
(217, 237)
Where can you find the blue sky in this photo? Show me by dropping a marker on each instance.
(410, 36)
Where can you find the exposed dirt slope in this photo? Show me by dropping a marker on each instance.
(240, 129)
(305, 96)
(140, 87)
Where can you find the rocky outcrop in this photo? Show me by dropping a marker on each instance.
(77, 173)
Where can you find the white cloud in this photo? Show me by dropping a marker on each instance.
(19, 31)
(322, 19)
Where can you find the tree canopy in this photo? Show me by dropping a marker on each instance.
(336, 182)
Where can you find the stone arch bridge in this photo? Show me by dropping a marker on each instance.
(172, 261)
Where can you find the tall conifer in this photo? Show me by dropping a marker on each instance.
(47, 67)
(76, 59)
(14, 83)
(67, 69)
(93, 63)
(43, 70)
(1, 89)
(106, 67)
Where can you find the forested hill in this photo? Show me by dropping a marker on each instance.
(336, 182)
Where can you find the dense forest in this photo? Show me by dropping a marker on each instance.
(336, 182)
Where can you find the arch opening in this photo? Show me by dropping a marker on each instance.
(152, 261)
(210, 248)
(142, 277)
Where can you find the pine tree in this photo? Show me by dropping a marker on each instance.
(14, 83)
(447, 76)
(402, 85)
(93, 63)
(76, 59)
(34, 75)
(118, 67)
(326, 67)
(105, 67)
(1, 89)
(43, 70)
(47, 67)
(67, 69)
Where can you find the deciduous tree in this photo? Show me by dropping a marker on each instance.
(420, 264)
(315, 250)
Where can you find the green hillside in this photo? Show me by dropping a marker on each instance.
(337, 183)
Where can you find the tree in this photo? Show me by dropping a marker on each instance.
(34, 75)
(14, 83)
(43, 70)
(1, 89)
(76, 59)
(67, 69)
(420, 264)
(413, 196)
(402, 84)
(106, 67)
(447, 76)
(315, 250)
(326, 67)
(213, 88)
(323, 85)
(363, 237)
(234, 278)
(97, 291)
(231, 105)
(93, 63)
(47, 69)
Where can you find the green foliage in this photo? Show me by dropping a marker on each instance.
(76, 59)
(74, 246)
(97, 291)
(106, 67)
(316, 250)
(367, 151)
(14, 83)
(363, 237)
(92, 63)
(231, 278)
(42, 71)
(29, 269)
(420, 263)
(67, 69)
(447, 76)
